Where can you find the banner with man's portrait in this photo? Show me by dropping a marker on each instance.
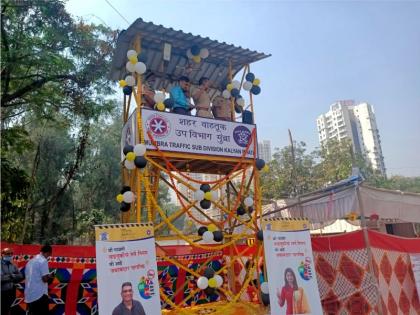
(127, 269)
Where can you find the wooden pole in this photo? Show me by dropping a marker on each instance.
(232, 102)
(139, 174)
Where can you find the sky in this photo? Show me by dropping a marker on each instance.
(322, 51)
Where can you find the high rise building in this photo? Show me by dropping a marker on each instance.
(357, 122)
(264, 150)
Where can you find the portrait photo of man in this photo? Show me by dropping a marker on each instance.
(128, 305)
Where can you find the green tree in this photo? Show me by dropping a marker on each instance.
(397, 182)
(53, 88)
(290, 174)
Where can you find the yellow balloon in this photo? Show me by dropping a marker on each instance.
(133, 59)
(122, 83)
(266, 168)
(212, 227)
(196, 59)
(256, 81)
(160, 106)
(212, 283)
(229, 87)
(208, 195)
(189, 223)
(130, 156)
(120, 198)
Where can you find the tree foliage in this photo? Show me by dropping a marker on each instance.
(324, 166)
(54, 90)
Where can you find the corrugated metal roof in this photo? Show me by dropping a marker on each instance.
(153, 38)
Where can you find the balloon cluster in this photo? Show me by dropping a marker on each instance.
(252, 84)
(134, 156)
(125, 198)
(209, 281)
(246, 206)
(135, 64)
(233, 90)
(205, 196)
(159, 99)
(196, 53)
(210, 233)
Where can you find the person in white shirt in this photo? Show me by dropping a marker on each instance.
(37, 275)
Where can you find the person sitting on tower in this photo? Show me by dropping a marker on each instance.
(201, 98)
(180, 95)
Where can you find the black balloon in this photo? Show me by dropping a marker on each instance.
(250, 210)
(234, 92)
(205, 204)
(260, 235)
(195, 50)
(125, 206)
(140, 161)
(124, 189)
(127, 90)
(209, 273)
(210, 291)
(202, 230)
(255, 90)
(218, 236)
(128, 148)
(265, 299)
(169, 103)
(238, 109)
(240, 210)
(205, 187)
(250, 77)
(259, 163)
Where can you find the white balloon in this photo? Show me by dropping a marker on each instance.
(208, 236)
(129, 165)
(202, 283)
(204, 53)
(128, 197)
(264, 287)
(130, 80)
(140, 67)
(214, 195)
(198, 195)
(240, 102)
(248, 201)
(236, 84)
(159, 97)
(226, 94)
(189, 54)
(247, 86)
(219, 280)
(131, 53)
(130, 67)
(139, 149)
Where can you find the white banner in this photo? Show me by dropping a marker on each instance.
(126, 270)
(190, 134)
(290, 265)
(415, 264)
